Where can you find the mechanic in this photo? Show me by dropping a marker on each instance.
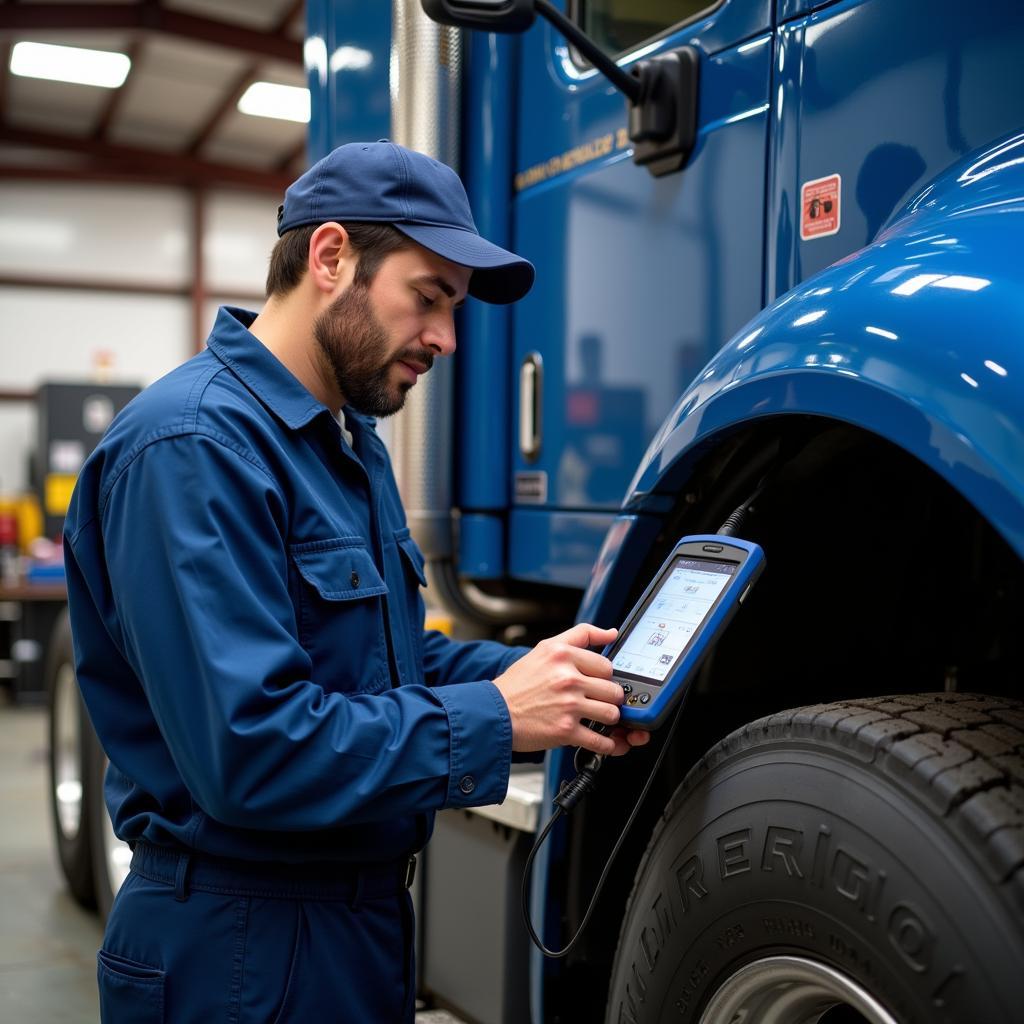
(248, 625)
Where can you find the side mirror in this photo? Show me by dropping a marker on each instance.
(662, 92)
(485, 15)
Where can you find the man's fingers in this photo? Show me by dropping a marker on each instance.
(614, 744)
(593, 741)
(583, 634)
(598, 689)
(601, 711)
(626, 739)
(592, 664)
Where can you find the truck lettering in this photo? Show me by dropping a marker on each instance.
(571, 158)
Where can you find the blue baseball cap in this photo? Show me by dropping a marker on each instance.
(423, 198)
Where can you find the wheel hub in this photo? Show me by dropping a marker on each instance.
(789, 990)
(67, 759)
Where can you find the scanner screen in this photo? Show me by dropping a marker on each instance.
(661, 633)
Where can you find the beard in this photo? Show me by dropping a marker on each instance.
(353, 345)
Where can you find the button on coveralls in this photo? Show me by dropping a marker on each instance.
(248, 629)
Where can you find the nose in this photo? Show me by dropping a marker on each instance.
(439, 334)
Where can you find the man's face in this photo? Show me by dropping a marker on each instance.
(375, 340)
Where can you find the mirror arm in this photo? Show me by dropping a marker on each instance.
(626, 84)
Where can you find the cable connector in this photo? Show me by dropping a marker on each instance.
(572, 792)
(731, 527)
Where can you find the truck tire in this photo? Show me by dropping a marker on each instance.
(110, 856)
(848, 862)
(72, 743)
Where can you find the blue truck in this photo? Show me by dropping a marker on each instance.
(793, 265)
(788, 263)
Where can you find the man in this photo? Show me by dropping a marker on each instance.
(245, 601)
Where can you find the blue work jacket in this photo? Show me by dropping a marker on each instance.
(248, 627)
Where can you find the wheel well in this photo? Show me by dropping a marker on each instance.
(881, 579)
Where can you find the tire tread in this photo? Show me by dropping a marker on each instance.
(962, 753)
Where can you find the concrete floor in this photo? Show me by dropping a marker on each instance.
(47, 942)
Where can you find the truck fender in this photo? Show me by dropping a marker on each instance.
(917, 338)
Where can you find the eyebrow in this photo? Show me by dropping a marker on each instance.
(440, 282)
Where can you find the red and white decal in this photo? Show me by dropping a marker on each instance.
(819, 207)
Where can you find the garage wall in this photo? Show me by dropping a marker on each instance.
(130, 319)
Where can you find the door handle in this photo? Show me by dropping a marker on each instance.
(531, 381)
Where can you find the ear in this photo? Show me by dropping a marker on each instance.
(332, 260)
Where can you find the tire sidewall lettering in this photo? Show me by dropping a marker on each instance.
(796, 877)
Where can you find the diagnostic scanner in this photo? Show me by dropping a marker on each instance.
(680, 615)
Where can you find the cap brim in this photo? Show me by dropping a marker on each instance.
(499, 276)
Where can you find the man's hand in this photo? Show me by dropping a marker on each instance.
(558, 684)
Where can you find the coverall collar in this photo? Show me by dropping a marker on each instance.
(260, 370)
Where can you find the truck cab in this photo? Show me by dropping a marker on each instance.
(818, 302)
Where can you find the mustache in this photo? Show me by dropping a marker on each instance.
(418, 360)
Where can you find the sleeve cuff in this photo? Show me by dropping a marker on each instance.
(480, 746)
(536, 756)
(514, 654)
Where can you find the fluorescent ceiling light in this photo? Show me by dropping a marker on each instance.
(70, 64)
(285, 102)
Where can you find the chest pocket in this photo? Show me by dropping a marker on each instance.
(341, 614)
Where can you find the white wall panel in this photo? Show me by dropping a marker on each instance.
(241, 229)
(55, 334)
(123, 233)
(17, 438)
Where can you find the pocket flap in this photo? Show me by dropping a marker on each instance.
(340, 569)
(413, 556)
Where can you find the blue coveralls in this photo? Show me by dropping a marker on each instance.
(248, 629)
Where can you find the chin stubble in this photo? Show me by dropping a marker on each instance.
(352, 344)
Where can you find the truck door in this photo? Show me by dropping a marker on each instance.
(639, 279)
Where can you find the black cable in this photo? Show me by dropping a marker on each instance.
(559, 810)
(571, 792)
(738, 515)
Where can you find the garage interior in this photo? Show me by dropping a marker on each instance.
(128, 214)
(806, 314)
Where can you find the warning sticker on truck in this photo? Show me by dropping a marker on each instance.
(819, 207)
